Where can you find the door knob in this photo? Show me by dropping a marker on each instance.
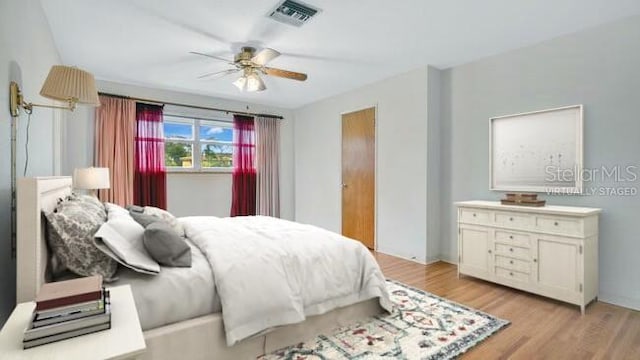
(344, 185)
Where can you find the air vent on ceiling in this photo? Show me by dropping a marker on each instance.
(293, 12)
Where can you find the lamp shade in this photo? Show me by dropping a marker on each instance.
(91, 178)
(250, 81)
(254, 83)
(66, 83)
(241, 82)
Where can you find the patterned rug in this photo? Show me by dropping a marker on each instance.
(422, 326)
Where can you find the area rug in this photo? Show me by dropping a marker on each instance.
(422, 326)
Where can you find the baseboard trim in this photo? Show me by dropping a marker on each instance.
(432, 261)
(449, 262)
(421, 262)
(626, 302)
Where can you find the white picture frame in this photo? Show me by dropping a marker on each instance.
(539, 151)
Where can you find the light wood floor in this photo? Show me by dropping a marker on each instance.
(540, 328)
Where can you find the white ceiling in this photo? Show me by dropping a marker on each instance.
(349, 44)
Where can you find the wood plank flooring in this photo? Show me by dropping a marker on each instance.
(541, 328)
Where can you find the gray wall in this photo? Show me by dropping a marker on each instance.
(27, 52)
(401, 161)
(599, 68)
(434, 102)
(204, 194)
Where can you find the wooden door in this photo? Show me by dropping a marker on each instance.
(358, 176)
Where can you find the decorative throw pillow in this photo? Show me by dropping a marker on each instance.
(166, 216)
(70, 235)
(121, 239)
(55, 267)
(165, 246)
(144, 219)
(90, 201)
(135, 208)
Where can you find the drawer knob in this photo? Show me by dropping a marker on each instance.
(511, 273)
(555, 223)
(511, 262)
(535, 260)
(511, 249)
(511, 237)
(510, 219)
(474, 214)
(489, 251)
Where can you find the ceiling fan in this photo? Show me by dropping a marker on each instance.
(252, 64)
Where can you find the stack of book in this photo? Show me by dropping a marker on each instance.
(68, 309)
(523, 200)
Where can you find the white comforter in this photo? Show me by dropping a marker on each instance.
(270, 272)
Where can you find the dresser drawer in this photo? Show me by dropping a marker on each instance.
(512, 238)
(559, 225)
(515, 251)
(515, 220)
(513, 264)
(474, 216)
(511, 274)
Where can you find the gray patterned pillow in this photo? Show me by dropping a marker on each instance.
(71, 228)
(90, 201)
(56, 266)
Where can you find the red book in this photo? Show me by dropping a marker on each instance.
(63, 293)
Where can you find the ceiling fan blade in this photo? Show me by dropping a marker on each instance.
(219, 74)
(285, 74)
(264, 56)
(211, 56)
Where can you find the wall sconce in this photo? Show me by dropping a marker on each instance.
(64, 83)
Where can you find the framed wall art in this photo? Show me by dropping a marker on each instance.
(538, 151)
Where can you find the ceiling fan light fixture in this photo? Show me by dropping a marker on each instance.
(252, 65)
(255, 83)
(241, 83)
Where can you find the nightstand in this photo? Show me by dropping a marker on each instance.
(123, 341)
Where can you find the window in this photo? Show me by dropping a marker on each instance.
(197, 145)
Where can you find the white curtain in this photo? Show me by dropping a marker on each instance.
(267, 166)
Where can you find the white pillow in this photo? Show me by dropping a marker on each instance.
(122, 238)
(114, 211)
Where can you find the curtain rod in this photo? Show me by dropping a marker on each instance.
(190, 106)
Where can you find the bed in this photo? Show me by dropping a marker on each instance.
(200, 337)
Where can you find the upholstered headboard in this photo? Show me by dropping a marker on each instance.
(34, 196)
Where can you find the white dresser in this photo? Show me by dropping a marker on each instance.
(551, 251)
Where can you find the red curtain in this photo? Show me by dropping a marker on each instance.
(150, 177)
(244, 170)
